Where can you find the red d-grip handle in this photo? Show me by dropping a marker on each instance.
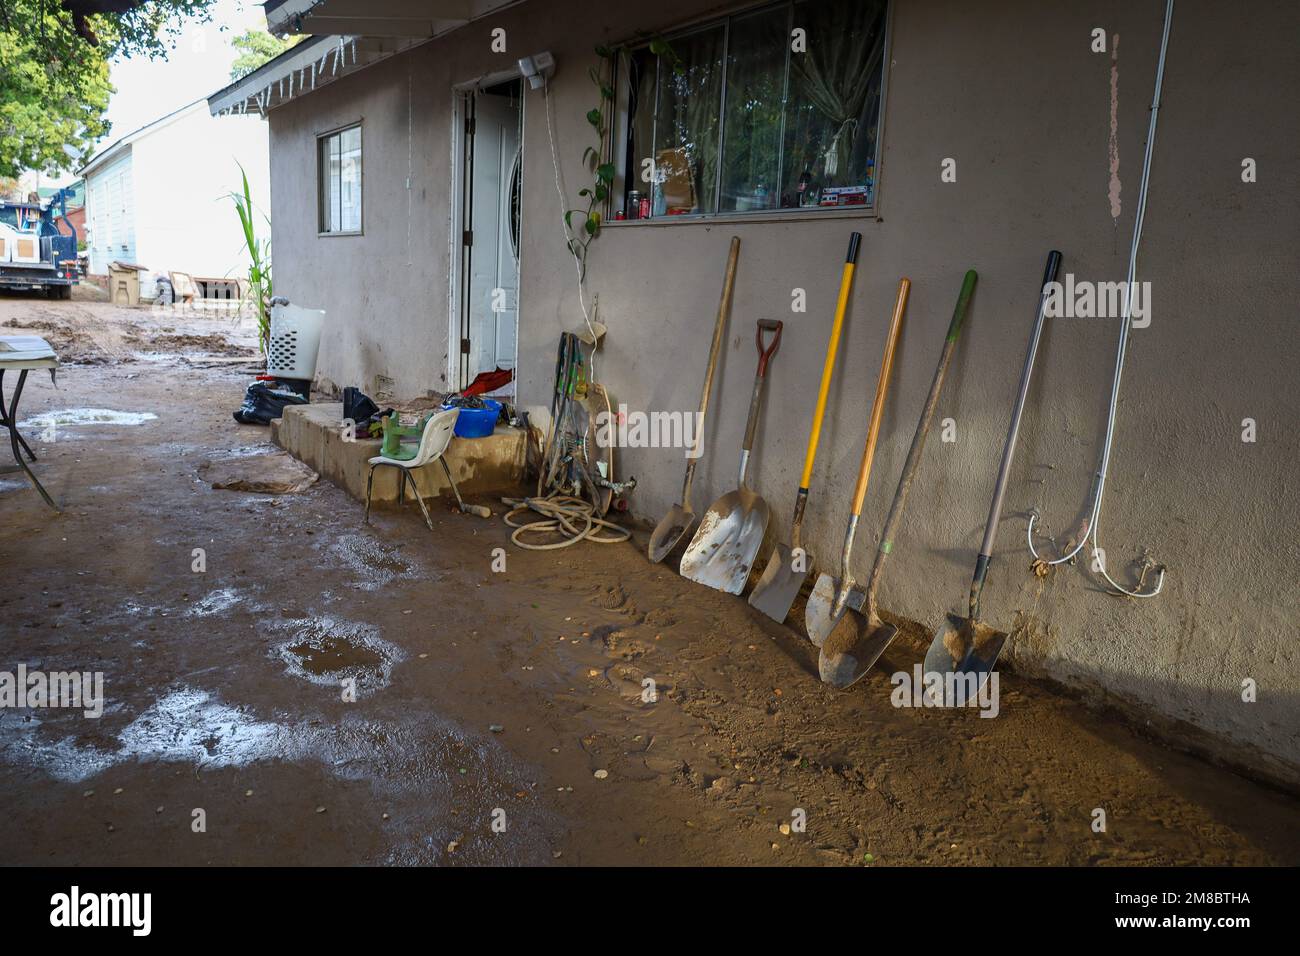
(765, 354)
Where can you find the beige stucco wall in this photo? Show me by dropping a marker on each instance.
(1012, 91)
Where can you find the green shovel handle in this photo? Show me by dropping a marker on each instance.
(963, 300)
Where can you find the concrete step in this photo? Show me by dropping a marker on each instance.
(315, 436)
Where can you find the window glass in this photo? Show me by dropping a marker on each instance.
(756, 70)
(778, 107)
(350, 179)
(340, 181)
(687, 125)
(834, 110)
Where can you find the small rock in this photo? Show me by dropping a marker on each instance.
(452, 846)
(496, 728)
(601, 774)
(248, 793)
(320, 809)
(785, 829)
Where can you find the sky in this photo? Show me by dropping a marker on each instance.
(196, 67)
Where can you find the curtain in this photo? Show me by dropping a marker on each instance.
(839, 73)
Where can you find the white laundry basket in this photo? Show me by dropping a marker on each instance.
(295, 341)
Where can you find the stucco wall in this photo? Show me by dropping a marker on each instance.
(1012, 91)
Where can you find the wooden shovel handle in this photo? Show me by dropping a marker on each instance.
(882, 387)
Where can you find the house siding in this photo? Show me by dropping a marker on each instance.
(111, 214)
(1013, 93)
(165, 203)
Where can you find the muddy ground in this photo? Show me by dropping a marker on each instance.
(482, 698)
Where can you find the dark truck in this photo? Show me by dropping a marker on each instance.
(57, 271)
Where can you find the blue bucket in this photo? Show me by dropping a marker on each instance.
(477, 422)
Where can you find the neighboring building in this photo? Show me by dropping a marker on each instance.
(160, 196)
(413, 182)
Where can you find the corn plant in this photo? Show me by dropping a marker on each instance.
(259, 268)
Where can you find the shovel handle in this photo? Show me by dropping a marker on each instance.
(1013, 432)
(882, 387)
(724, 309)
(765, 355)
(922, 430)
(828, 367)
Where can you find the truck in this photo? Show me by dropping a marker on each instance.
(34, 252)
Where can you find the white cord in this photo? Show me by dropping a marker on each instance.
(568, 233)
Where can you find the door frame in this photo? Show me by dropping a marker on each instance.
(460, 92)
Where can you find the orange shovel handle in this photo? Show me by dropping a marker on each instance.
(882, 387)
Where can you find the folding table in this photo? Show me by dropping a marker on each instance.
(21, 354)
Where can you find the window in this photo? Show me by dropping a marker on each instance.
(339, 165)
(772, 108)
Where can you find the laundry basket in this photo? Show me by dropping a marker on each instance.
(295, 340)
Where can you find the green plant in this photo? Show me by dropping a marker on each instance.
(259, 267)
(597, 194)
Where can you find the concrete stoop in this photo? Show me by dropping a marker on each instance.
(313, 435)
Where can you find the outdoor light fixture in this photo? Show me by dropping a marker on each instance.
(537, 68)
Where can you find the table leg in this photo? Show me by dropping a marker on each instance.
(4, 418)
(11, 422)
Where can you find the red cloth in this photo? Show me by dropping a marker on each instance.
(485, 382)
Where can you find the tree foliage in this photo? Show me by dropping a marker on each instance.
(54, 56)
(256, 47)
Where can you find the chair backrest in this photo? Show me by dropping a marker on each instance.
(437, 436)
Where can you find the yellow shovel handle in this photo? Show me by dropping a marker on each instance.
(841, 306)
(882, 387)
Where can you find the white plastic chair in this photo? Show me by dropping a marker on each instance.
(433, 442)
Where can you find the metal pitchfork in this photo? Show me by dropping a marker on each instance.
(1089, 527)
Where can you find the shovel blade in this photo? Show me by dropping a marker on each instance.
(780, 584)
(851, 648)
(967, 650)
(726, 543)
(668, 532)
(819, 616)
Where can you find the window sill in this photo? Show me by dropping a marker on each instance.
(331, 235)
(771, 215)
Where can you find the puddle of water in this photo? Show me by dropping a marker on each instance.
(372, 564)
(326, 650)
(215, 602)
(86, 416)
(422, 754)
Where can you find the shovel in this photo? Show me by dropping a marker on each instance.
(967, 648)
(826, 603)
(680, 517)
(857, 640)
(787, 568)
(731, 531)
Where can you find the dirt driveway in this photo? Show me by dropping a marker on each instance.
(498, 717)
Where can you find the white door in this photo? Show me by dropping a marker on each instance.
(492, 308)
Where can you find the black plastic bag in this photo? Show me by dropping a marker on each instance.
(264, 401)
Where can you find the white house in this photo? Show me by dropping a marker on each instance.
(160, 196)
